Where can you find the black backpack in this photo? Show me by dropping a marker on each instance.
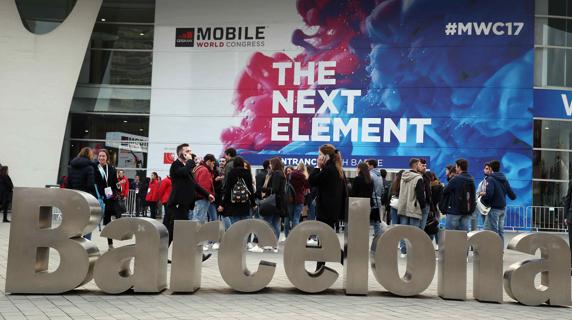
(466, 199)
(289, 192)
(239, 192)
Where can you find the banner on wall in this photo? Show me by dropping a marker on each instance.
(378, 79)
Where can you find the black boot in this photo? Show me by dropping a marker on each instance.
(5, 218)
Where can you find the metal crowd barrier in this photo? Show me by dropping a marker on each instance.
(535, 219)
(130, 205)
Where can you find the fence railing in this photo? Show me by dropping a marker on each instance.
(535, 218)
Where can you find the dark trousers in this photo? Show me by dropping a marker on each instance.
(332, 224)
(176, 213)
(6, 201)
(153, 207)
(109, 212)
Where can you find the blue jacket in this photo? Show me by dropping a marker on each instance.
(497, 190)
(453, 193)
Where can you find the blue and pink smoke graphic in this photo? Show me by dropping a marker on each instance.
(476, 89)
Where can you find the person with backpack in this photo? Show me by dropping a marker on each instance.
(460, 192)
(497, 189)
(238, 197)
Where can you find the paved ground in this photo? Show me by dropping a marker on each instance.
(281, 300)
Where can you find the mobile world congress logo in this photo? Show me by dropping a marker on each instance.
(219, 37)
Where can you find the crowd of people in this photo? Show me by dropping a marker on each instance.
(209, 189)
(206, 189)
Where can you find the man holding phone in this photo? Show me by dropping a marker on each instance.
(184, 186)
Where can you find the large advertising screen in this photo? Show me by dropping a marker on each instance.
(388, 80)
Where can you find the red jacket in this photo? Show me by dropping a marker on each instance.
(124, 187)
(153, 191)
(165, 190)
(205, 179)
(300, 183)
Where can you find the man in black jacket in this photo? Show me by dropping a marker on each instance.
(184, 186)
(427, 189)
(461, 196)
(497, 189)
(568, 217)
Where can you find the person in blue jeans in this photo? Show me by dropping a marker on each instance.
(460, 194)
(497, 189)
(298, 181)
(275, 183)
(411, 198)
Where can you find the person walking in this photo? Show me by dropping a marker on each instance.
(106, 187)
(394, 197)
(460, 192)
(329, 179)
(481, 190)
(412, 201)
(6, 191)
(164, 192)
(434, 213)
(568, 218)
(204, 174)
(363, 186)
(238, 197)
(81, 175)
(427, 190)
(377, 212)
(153, 194)
(229, 155)
(183, 190)
(275, 184)
(497, 189)
(298, 186)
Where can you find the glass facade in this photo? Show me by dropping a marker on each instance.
(553, 70)
(110, 107)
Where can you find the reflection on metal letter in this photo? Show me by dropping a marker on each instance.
(554, 267)
(296, 254)
(420, 260)
(487, 265)
(356, 239)
(232, 256)
(31, 236)
(188, 252)
(112, 271)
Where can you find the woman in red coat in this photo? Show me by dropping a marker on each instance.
(153, 194)
(165, 188)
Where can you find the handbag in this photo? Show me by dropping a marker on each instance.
(483, 209)
(267, 206)
(394, 202)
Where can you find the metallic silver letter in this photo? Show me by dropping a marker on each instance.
(554, 266)
(356, 238)
(420, 260)
(232, 258)
(112, 273)
(296, 254)
(487, 265)
(31, 236)
(188, 252)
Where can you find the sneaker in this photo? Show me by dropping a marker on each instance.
(403, 255)
(267, 248)
(275, 250)
(206, 247)
(312, 243)
(256, 249)
(215, 246)
(249, 245)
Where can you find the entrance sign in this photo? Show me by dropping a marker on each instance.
(32, 235)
